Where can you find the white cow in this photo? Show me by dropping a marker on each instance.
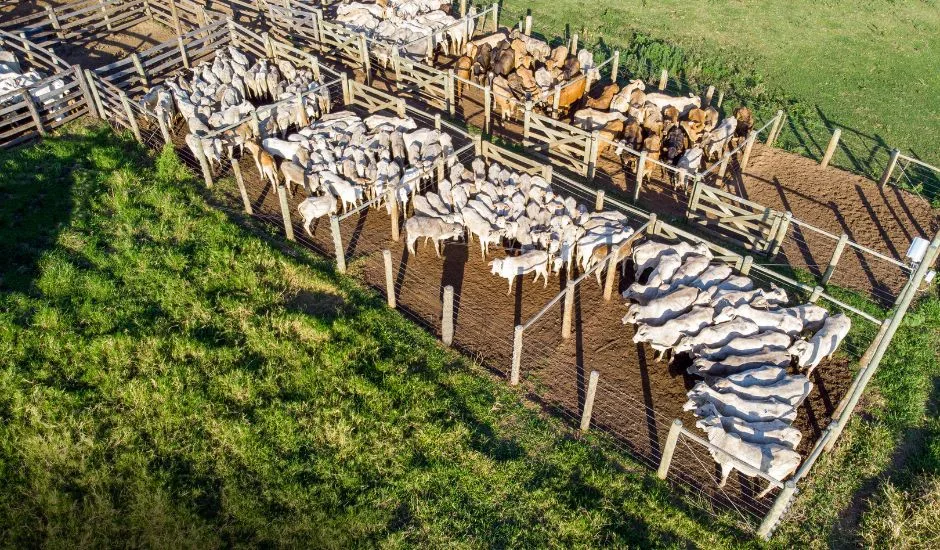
(718, 334)
(779, 320)
(776, 461)
(790, 389)
(664, 337)
(731, 404)
(772, 431)
(666, 307)
(746, 345)
(512, 266)
(738, 363)
(823, 344)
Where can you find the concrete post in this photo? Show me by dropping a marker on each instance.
(666, 460)
(589, 401)
(237, 170)
(447, 321)
(389, 279)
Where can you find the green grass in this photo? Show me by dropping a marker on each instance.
(169, 377)
(868, 66)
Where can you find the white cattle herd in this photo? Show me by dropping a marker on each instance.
(13, 77)
(214, 99)
(412, 26)
(742, 340)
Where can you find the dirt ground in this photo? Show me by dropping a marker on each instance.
(99, 51)
(114, 47)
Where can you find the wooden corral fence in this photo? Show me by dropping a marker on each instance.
(80, 21)
(758, 228)
(59, 98)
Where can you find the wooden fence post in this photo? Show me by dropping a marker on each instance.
(615, 66)
(495, 16)
(344, 84)
(611, 274)
(450, 94)
(366, 62)
(90, 78)
(28, 49)
(568, 311)
(746, 155)
(708, 95)
(477, 145)
(516, 356)
(393, 214)
(237, 170)
(666, 460)
(144, 80)
(775, 129)
(389, 279)
(836, 255)
(86, 93)
(526, 120)
(527, 30)
(599, 200)
(33, 111)
(55, 22)
(183, 55)
(131, 118)
(817, 292)
(723, 167)
(447, 322)
(203, 162)
(487, 109)
(174, 13)
(746, 264)
(640, 168)
(164, 131)
(886, 175)
(831, 149)
(547, 172)
(721, 99)
(782, 234)
(573, 46)
(338, 244)
(104, 14)
(285, 212)
(663, 79)
(463, 8)
(592, 153)
(653, 224)
(694, 196)
(780, 505)
(589, 401)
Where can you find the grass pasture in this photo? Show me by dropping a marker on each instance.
(868, 67)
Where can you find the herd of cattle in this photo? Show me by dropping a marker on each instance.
(742, 340)
(671, 129)
(521, 68)
(214, 99)
(14, 78)
(412, 27)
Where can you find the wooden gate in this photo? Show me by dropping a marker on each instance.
(755, 226)
(428, 84)
(571, 147)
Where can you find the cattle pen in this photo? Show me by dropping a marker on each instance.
(565, 344)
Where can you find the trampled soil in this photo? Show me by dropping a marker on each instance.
(115, 46)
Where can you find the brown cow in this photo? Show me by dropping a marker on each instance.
(502, 96)
(602, 103)
(462, 69)
(696, 118)
(504, 62)
(745, 123)
(609, 134)
(571, 94)
(572, 67)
